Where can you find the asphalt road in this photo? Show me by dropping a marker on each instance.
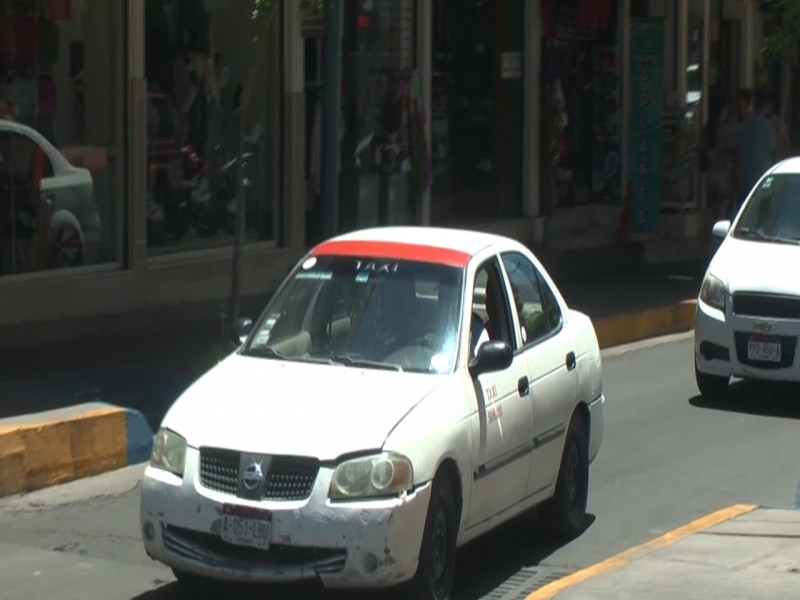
(667, 459)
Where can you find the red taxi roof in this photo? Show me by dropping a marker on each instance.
(394, 250)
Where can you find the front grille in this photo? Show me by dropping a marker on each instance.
(788, 346)
(211, 549)
(219, 470)
(288, 477)
(766, 305)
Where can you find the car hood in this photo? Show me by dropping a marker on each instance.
(269, 406)
(754, 266)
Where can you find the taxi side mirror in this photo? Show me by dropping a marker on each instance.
(492, 357)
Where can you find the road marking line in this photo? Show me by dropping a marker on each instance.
(626, 556)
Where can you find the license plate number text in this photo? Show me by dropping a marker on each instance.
(764, 349)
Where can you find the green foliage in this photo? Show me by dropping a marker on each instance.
(781, 44)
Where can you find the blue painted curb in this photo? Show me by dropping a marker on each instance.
(139, 437)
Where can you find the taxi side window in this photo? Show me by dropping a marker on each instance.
(531, 298)
(491, 317)
(551, 307)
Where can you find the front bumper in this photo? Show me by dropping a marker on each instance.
(721, 345)
(363, 544)
(598, 425)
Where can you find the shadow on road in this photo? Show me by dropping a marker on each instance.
(483, 565)
(763, 399)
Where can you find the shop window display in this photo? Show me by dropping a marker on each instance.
(384, 160)
(581, 72)
(60, 191)
(207, 136)
(477, 109)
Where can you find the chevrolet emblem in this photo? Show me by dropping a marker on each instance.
(765, 326)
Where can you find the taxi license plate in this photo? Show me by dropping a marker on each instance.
(244, 526)
(764, 349)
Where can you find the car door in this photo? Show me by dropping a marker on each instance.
(549, 351)
(502, 454)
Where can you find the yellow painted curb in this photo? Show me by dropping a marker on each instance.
(626, 329)
(40, 454)
(627, 556)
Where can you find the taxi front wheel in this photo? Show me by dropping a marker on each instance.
(437, 558)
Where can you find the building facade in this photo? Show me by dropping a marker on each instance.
(128, 127)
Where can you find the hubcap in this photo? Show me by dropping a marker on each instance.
(439, 542)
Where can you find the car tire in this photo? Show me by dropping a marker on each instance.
(435, 575)
(564, 514)
(712, 387)
(193, 586)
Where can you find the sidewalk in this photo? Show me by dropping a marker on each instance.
(147, 370)
(740, 552)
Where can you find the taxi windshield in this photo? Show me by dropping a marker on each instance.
(773, 213)
(365, 312)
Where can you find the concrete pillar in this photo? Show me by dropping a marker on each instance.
(531, 204)
(294, 192)
(332, 98)
(424, 68)
(706, 59)
(625, 53)
(682, 54)
(137, 134)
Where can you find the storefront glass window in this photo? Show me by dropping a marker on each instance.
(61, 79)
(383, 162)
(207, 136)
(582, 104)
(477, 112)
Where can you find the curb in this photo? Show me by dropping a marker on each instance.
(635, 327)
(625, 557)
(43, 451)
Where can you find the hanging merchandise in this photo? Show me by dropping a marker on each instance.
(193, 26)
(58, 10)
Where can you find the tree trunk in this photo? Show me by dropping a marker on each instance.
(241, 204)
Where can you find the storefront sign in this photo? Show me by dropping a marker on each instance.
(644, 134)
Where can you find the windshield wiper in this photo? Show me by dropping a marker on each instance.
(270, 352)
(747, 232)
(348, 360)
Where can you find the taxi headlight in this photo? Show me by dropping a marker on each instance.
(169, 452)
(371, 476)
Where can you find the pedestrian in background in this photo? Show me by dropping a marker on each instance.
(719, 157)
(745, 103)
(780, 132)
(756, 148)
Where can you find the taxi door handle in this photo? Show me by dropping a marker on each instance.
(524, 386)
(572, 362)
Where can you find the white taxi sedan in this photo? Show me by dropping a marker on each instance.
(748, 312)
(405, 391)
